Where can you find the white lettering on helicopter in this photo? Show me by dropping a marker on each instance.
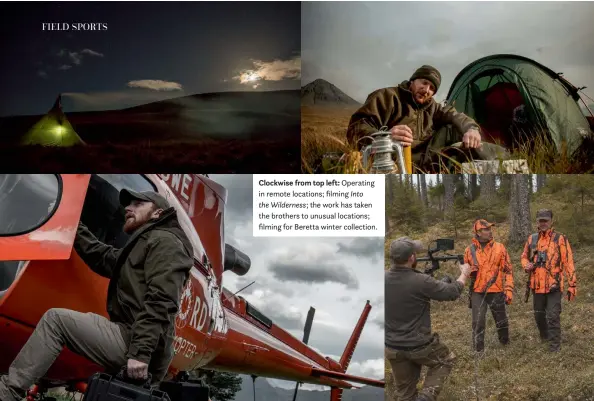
(199, 314)
(185, 180)
(188, 348)
(194, 304)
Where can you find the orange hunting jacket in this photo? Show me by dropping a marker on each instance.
(493, 261)
(559, 260)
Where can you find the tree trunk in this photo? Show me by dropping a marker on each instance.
(505, 184)
(519, 210)
(531, 183)
(390, 194)
(424, 190)
(473, 186)
(448, 183)
(440, 200)
(488, 187)
(419, 194)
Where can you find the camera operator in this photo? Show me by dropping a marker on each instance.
(547, 255)
(410, 345)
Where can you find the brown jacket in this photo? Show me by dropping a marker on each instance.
(396, 106)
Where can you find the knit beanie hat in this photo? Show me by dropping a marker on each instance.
(429, 73)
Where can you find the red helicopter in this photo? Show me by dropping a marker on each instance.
(215, 329)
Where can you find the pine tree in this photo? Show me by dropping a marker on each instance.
(223, 386)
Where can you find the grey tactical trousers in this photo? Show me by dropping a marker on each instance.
(87, 334)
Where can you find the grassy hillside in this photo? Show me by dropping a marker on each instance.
(524, 370)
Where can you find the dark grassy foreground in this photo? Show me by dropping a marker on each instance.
(243, 132)
(212, 156)
(524, 370)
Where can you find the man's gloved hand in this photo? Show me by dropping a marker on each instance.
(472, 139)
(137, 369)
(571, 293)
(402, 134)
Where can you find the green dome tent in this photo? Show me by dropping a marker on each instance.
(53, 129)
(512, 96)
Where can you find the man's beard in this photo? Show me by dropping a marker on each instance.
(483, 240)
(134, 224)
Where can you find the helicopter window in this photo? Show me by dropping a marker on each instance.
(27, 201)
(102, 212)
(259, 316)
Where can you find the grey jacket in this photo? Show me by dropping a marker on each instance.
(408, 313)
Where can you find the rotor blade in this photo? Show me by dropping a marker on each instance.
(349, 378)
(295, 393)
(308, 323)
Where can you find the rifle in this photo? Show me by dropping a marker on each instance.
(442, 244)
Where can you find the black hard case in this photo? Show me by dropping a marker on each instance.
(104, 387)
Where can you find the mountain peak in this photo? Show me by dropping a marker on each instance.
(322, 92)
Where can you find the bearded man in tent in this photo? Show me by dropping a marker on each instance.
(415, 119)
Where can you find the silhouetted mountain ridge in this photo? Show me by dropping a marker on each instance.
(322, 92)
(266, 392)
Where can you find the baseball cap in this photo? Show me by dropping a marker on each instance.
(126, 197)
(482, 223)
(544, 214)
(402, 248)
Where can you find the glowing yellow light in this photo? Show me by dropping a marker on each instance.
(59, 130)
(249, 76)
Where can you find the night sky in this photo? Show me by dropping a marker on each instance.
(150, 51)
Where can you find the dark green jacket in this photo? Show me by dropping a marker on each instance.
(147, 277)
(396, 106)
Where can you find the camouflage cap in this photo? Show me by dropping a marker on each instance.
(402, 248)
(482, 223)
(544, 214)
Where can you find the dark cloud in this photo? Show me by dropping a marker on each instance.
(239, 196)
(357, 48)
(363, 247)
(313, 273)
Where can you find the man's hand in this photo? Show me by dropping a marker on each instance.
(508, 298)
(402, 134)
(571, 293)
(137, 369)
(464, 273)
(529, 267)
(472, 139)
(465, 269)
